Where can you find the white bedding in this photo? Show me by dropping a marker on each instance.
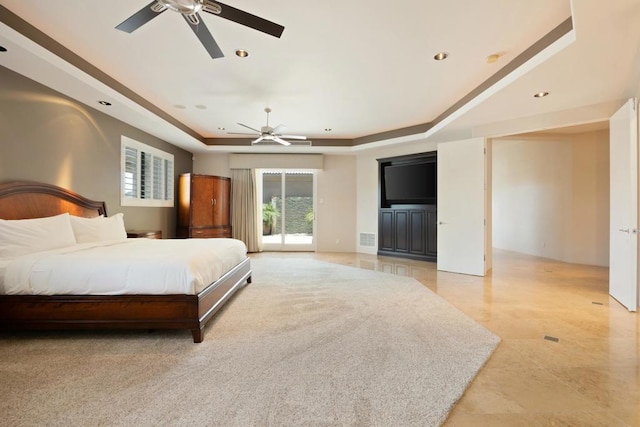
(132, 266)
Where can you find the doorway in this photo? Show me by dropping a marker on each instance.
(288, 209)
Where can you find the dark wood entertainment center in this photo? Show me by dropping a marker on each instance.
(407, 206)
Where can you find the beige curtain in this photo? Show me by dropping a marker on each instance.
(245, 223)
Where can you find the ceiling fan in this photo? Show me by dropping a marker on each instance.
(267, 133)
(189, 10)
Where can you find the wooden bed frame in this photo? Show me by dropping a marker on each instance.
(25, 199)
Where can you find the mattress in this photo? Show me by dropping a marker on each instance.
(132, 266)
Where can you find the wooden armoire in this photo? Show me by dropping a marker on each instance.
(204, 206)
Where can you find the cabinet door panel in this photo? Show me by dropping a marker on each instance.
(402, 231)
(221, 193)
(432, 232)
(386, 230)
(201, 201)
(417, 237)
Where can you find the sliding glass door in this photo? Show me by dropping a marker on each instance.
(288, 206)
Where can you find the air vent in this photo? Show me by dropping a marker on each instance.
(368, 239)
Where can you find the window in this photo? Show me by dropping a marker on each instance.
(147, 175)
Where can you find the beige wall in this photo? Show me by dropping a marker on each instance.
(590, 208)
(212, 164)
(47, 137)
(336, 198)
(336, 205)
(532, 195)
(551, 196)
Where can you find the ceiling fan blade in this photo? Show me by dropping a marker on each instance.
(293, 136)
(281, 141)
(278, 129)
(204, 36)
(240, 133)
(255, 141)
(249, 127)
(246, 19)
(139, 18)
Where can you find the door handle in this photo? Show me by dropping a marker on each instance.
(441, 222)
(213, 202)
(624, 230)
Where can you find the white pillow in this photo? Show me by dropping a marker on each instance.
(24, 236)
(88, 230)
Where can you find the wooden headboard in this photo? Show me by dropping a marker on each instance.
(28, 199)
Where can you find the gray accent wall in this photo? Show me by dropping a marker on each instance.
(48, 137)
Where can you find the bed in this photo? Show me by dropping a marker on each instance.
(184, 304)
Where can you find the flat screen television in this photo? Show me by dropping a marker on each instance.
(411, 182)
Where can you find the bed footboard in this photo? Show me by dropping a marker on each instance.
(211, 299)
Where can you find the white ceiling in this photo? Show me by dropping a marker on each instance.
(357, 67)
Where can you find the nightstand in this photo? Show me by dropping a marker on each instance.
(148, 234)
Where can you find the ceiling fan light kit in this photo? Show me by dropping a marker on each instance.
(189, 10)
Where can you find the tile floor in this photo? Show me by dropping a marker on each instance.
(589, 377)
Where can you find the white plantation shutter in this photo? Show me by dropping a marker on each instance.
(168, 180)
(158, 178)
(130, 175)
(147, 175)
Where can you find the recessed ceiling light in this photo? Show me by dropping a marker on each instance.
(201, 107)
(242, 53)
(541, 94)
(3, 49)
(440, 56)
(492, 58)
(179, 106)
(104, 103)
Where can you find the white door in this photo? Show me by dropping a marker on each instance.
(623, 230)
(461, 206)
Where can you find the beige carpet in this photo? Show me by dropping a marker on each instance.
(306, 344)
